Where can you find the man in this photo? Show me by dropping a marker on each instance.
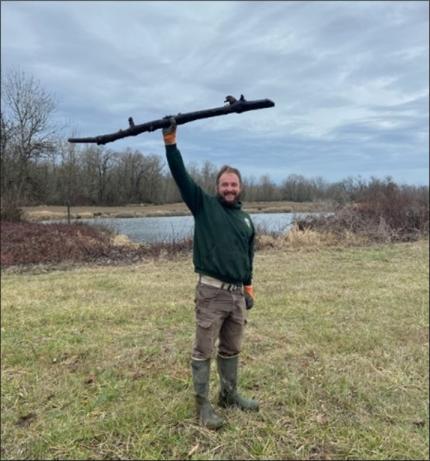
(223, 252)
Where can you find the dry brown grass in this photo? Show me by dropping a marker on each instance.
(303, 239)
(122, 240)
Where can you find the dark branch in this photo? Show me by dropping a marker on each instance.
(233, 106)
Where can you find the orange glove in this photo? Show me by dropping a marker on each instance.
(169, 133)
(249, 296)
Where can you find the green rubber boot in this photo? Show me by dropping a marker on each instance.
(205, 412)
(228, 396)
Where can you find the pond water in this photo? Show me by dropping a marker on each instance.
(170, 228)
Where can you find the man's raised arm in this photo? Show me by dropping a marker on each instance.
(191, 193)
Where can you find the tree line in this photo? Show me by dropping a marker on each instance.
(38, 166)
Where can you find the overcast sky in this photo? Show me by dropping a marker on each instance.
(349, 79)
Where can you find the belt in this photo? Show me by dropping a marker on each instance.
(206, 280)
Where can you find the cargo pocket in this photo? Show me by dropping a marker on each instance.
(204, 337)
(204, 316)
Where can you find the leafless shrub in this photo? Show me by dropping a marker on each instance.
(10, 213)
(386, 212)
(25, 243)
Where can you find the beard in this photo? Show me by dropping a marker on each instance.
(229, 203)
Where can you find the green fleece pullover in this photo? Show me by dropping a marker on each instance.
(223, 235)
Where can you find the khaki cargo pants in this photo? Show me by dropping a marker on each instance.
(220, 314)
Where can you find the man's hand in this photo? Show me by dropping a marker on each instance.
(169, 133)
(249, 296)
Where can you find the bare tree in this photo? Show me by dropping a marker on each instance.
(152, 184)
(133, 170)
(26, 133)
(267, 189)
(208, 176)
(68, 173)
(97, 163)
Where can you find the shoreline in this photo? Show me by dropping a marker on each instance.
(45, 213)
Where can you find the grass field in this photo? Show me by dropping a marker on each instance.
(95, 360)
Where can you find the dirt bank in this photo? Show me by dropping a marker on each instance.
(43, 212)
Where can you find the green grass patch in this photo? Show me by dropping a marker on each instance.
(96, 360)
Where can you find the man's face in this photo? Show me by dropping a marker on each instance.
(228, 187)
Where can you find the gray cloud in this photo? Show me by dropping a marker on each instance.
(349, 79)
